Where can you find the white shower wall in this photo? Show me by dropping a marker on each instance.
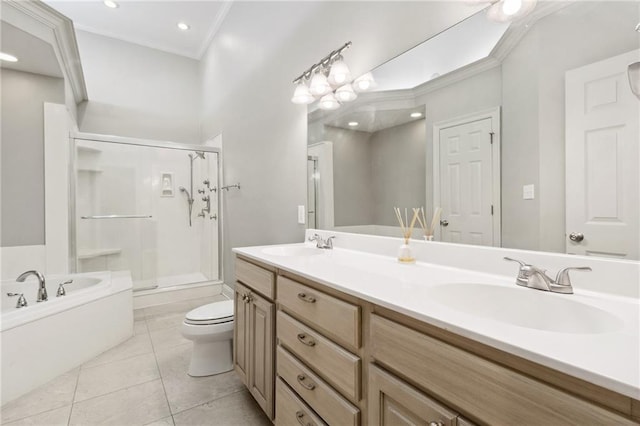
(164, 250)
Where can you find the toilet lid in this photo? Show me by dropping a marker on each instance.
(212, 313)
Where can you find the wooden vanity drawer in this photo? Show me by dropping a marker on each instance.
(476, 385)
(316, 392)
(259, 279)
(331, 316)
(291, 411)
(336, 365)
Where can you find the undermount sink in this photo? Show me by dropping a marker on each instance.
(525, 308)
(292, 251)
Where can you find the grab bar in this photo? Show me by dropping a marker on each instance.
(119, 216)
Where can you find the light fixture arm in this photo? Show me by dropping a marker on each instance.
(323, 62)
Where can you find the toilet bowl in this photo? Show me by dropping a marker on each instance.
(210, 327)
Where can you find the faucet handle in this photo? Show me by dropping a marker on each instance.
(329, 242)
(563, 276)
(22, 302)
(522, 264)
(61, 290)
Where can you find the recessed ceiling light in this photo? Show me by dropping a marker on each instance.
(353, 123)
(7, 57)
(416, 114)
(183, 26)
(111, 4)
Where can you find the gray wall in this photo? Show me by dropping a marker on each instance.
(353, 192)
(139, 92)
(477, 93)
(402, 184)
(22, 151)
(246, 83)
(533, 135)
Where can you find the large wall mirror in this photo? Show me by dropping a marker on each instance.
(525, 134)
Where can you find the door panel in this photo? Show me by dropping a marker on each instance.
(241, 333)
(466, 182)
(602, 179)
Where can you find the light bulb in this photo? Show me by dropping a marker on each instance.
(416, 115)
(111, 4)
(511, 7)
(339, 73)
(364, 82)
(329, 102)
(353, 123)
(183, 26)
(319, 85)
(8, 58)
(345, 93)
(301, 95)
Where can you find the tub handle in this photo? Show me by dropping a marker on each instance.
(61, 291)
(22, 302)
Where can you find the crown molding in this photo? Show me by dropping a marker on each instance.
(44, 22)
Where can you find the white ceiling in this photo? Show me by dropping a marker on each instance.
(34, 55)
(150, 23)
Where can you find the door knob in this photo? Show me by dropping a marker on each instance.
(576, 236)
(444, 222)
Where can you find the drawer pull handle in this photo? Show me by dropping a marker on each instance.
(300, 417)
(306, 340)
(306, 298)
(302, 379)
(432, 423)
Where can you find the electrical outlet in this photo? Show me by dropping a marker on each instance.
(301, 215)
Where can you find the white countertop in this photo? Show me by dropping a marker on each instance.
(608, 359)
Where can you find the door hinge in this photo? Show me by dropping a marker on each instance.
(491, 209)
(491, 137)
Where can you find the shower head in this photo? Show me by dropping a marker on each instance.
(182, 189)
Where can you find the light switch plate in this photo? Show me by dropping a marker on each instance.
(528, 192)
(301, 215)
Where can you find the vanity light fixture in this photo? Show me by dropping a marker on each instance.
(364, 82)
(508, 10)
(7, 58)
(183, 26)
(111, 4)
(329, 81)
(416, 115)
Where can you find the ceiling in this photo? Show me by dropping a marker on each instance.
(34, 55)
(373, 120)
(150, 23)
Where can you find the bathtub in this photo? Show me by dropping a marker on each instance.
(43, 340)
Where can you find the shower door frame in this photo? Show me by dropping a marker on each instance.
(93, 137)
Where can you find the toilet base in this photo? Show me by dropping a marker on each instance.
(209, 358)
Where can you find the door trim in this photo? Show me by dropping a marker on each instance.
(494, 115)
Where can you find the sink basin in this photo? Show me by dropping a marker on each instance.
(292, 251)
(525, 307)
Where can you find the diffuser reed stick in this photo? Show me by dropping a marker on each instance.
(422, 220)
(405, 226)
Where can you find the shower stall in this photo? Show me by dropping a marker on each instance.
(148, 207)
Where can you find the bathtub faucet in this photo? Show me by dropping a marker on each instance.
(42, 290)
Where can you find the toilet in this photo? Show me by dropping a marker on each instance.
(210, 327)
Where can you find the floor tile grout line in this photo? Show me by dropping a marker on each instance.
(114, 391)
(164, 389)
(207, 402)
(82, 367)
(73, 397)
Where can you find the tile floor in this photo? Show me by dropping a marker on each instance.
(143, 381)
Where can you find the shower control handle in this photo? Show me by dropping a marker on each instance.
(213, 216)
(201, 191)
(206, 198)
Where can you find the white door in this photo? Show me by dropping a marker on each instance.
(602, 176)
(466, 183)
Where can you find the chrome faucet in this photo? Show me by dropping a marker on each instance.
(42, 290)
(534, 277)
(322, 244)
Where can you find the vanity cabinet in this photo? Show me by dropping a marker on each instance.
(486, 391)
(254, 332)
(341, 360)
(319, 337)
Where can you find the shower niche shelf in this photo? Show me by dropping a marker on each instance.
(85, 254)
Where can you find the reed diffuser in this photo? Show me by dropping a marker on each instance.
(404, 252)
(422, 220)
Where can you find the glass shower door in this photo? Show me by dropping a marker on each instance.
(149, 210)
